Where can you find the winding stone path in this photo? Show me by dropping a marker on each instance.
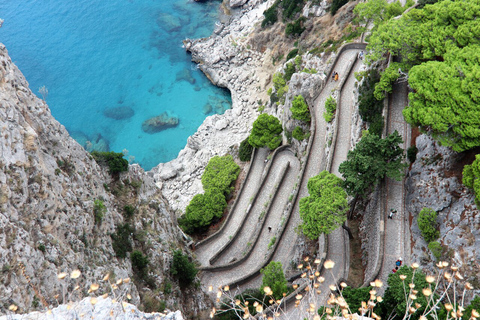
(205, 251)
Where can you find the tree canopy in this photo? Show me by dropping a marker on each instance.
(300, 110)
(440, 49)
(325, 209)
(372, 159)
(274, 278)
(427, 223)
(266, 132)
(115, 161)
(471, 178)
(182, 268)
(220, 173)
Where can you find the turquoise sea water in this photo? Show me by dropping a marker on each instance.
(95, 55)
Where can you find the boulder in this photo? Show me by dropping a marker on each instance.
(221, 124)
(119, 113)
(237, 3)
(167, 172)
(159, 123)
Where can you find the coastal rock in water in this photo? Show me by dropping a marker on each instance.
(119, 113)
(207, 108)
(237, 3)
(186, 75)
(169, 22)
(159, 123)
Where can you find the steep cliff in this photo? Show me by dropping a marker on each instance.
(50, 188)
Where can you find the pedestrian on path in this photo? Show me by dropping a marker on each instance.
(398, 263)
(390, 215)
(334, 76)
(269, 229)
(395, 270)
(360, 55)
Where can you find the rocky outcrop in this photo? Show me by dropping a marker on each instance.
(48, 188)
(159, 123)
(434, 181)
(119, 113)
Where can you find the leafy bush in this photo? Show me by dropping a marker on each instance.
(296, 28)
(279, 84)
(369, 107)
(202, 210)
(428, 225)
(220, 173)
(113, 160)
(292, 54)
(139, 263)
(245, 150)
(471, 178)
(385, 84)
(376, 126)
(290, 8)
(266, 132)
(412, 154)
(337, 4)
(474, 305)
(274, 278)
(270, 15)
(330, 107)
(298, 133)
(128, 211)
(300, 110)
(355, 296)
(99, 211)
(182, 269)
(289, 71)
(436, 249)
(251, 296)
(121, 242)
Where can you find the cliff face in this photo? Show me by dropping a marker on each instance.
(48, 185)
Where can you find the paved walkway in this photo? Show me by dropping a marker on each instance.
(206, 251)
(273, 220)
(397, 232)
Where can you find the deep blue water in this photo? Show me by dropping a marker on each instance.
(94, 55)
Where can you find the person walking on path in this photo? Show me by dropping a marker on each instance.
(398, 263)
(390, 215)
(269, 229)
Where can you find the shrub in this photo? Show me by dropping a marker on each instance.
(115, 161)
(290, 8)
(474, 305)
(121, 242)
(139, 263)
(270, 15)
(289, 71)
(279, 84)
(220, 173)
(296, 28)
(298, 133)
(376, 126)
(251, 296)
(182, 269)
(369, 108)
(436, 249)
(300, 110)
(337, 4)
(330, 107)
(471, 178)
(274, 278)
(202, 210)
(292, 54)
(428, 225)
(99, 211)
(128, 211)
(41, 247)
(412, 154)
(266, 132)
(355, 296)
(245, 150)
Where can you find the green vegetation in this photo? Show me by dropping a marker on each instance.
(121, 242)
(113, 160)
(250, 295)
(272, 242)
(128, 211)
(325, 209)
(280, 85)
(440, 51)
(289, 9)
(337, 4)
(436, 249)
(427, 223)
(300, 110)
(245, 150)
(369, 107)
(274, 278)
(220, 174)
(202, 210)
(378, 11)
(266, 132)
(355, 296)
(296, 28)
(471, 178)
(474, 305)
(389, 76)
(41, 247)
(292, 54)
(298, 134)
(182, 269)
(99, 211)
(372, 159)
(330, 107)
(412, 154)
(289, 71)
(139, 263)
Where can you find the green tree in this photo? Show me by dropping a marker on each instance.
(202, 210)
(355, 296)
(474, 305)
(139, 263)
(266, 132)
(220, 173)
(182, 269)
(115, 161)
(337, 4)
(298, 133)
(300, 110)
(440, 51)
(427, 223)
(121, 242)
(280, 84)
(436, 249)
(394, 300)
(330, 107)
(369, 108)
(471, 178)
(372, 159)
(245, 150)
(325, 209)
(274, 278)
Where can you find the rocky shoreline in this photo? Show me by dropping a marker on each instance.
(227, 60)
